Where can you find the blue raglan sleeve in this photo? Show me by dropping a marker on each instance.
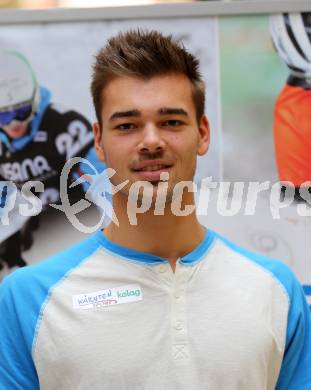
(296, 366)
(23, 299)
(295, 373)
(17, 370)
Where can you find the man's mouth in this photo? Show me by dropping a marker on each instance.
(151, 171)
(152, 168)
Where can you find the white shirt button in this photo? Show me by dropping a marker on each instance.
(178, 325)
(177, 295)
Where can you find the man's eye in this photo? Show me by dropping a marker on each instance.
(172, 123)
(126, 126)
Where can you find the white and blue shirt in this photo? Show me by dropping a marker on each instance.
(102, 316)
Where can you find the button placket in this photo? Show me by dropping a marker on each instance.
(179, 325)
(165, 274)
(180, 350)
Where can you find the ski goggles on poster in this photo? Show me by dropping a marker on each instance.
(20, 113)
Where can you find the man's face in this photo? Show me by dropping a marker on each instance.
(150, 127)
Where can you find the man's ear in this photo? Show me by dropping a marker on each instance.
(98, 142)
(204, 136)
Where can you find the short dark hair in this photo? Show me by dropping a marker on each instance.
(144, 54)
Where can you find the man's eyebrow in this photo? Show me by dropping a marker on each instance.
(137, 113)
(124, 114)
(172, 111)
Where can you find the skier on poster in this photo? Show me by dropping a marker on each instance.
(36, 139)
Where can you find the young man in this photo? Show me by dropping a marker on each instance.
(36, 139)
(162, 303)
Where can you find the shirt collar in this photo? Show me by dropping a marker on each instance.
(135, 255)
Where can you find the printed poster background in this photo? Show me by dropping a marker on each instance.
(61, 55)
(252, 75)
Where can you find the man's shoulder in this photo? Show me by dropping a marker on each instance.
(24, 294)
(275, 269)
(45, 274)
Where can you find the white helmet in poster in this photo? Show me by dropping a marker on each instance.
(291, 34)
(18, 83)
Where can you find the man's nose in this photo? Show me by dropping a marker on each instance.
(151, 140)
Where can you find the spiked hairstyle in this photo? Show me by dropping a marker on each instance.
(144, 54)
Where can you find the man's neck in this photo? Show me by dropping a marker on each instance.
(168, 236)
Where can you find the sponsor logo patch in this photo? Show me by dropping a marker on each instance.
(109, 297)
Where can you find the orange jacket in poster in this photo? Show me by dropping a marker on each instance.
(292, 132)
